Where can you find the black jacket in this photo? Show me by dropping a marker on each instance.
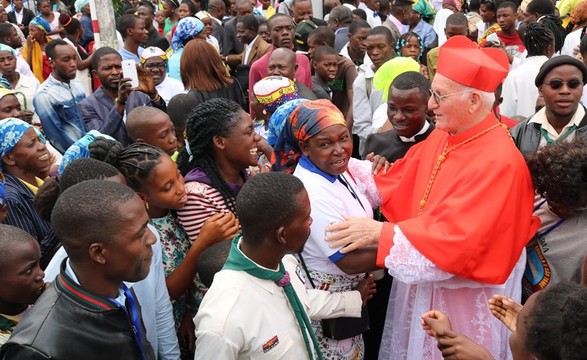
(526, 135)
(68, 322)
(27, 16)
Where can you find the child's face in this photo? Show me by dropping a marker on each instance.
(264, 33)
(265, 3)
(327, 67)
(161, 134)
(22, 278)
(411, 48)
(165, 188)
(183, 11)
(160, 17)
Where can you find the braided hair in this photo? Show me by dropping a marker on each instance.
(135, 162)
(404, 40)
(537, 39)
(214, 117)
(554, 24)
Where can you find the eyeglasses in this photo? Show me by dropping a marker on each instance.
(557, 84)
(160, 65)
(438, 98)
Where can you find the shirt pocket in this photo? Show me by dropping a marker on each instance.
(278, 351)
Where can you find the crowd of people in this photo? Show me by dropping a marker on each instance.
(396, 179)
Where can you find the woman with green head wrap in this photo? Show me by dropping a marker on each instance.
(422, 12)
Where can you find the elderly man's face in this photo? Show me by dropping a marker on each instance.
(563, 101)
(280, 65)
(450, 109)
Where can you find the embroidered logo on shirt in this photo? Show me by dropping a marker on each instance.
(270, 344)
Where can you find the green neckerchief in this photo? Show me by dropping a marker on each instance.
(550, 140)
(6, 324)
(238, 261)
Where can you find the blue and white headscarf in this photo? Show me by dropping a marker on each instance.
(11, 131)
(79, 5)
(187, 28)
(80, 149)
(41, 23)
(7, 48)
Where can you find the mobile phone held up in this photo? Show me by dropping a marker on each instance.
(493, 39)
(129, 70)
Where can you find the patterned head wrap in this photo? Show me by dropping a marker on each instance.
(2, 194)
(79, 5)
(11, 131)
(305, 122)
(390, 70)
(187, 28)
(274, 91)
(41, 23)
(4, 85)
(7, 48)
(278, 118)
(423, 8)
(153, 51)
(80, 149)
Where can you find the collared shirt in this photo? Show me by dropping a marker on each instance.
(27, 86)
(425, 30)
(99, 113)
(366, 59)
(540, 118)
(331, 198)
(18, 15)
(57, 104)
(396, 22)
(230, 324)
(170, 87)
(34, 188)
(248, 50)
(413, 138)
(153, 296)
(519, 92)
(127, 55)
(120, 299)
(372, 17)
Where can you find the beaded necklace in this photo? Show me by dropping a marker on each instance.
(442, 158)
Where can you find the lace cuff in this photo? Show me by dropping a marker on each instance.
(408, 265)
(361, 171)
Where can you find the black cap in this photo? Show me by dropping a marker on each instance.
(303, 30)
(556, 62)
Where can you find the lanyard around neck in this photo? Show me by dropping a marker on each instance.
(350, 189)
(552, 227)
(133, 315)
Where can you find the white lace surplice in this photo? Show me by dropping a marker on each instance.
(420, 286)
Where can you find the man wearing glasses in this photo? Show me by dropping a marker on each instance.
(155, 60)
(560, 82)
(454, 237)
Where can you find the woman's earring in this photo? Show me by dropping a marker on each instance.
(146, 205)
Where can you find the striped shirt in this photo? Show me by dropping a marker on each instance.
(203, 202)
(23, 215)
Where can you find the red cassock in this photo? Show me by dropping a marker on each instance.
(478, 216)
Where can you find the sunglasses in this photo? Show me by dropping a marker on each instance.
(557, 84)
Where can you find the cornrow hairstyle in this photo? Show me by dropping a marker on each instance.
(135, 162)
(537, 39)
(554, 24)
(214, 117)
(404, 40)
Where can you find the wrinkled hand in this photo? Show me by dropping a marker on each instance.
(436, 322)
(221, 226)
(146, 83)
(353, 233)
(378, 162)
(456, 346)
(367, 288)
(187, 332)
(505, 310)
(124, 89)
